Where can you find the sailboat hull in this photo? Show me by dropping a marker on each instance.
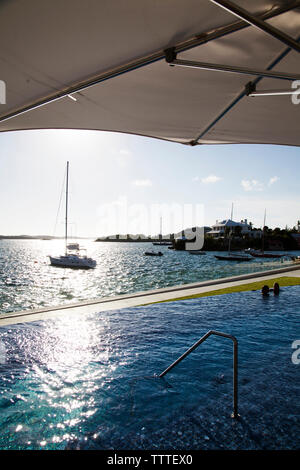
(261, 254)
(233, 258)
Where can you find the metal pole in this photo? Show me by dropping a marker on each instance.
(66, 218)
(277, 92)
(235, 413)
(273, 64)
(235, 364)
(258, 23)
(185, 354)
(232, 69)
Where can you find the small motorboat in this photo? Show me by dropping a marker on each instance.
(153, 253)
(197, 252)
(162, 243)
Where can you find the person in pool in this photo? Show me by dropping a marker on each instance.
(266, 290)
(275, 288)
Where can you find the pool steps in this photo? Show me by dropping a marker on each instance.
(235, 363)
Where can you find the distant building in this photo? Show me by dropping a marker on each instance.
(220, 229)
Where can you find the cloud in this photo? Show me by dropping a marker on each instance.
(210, 179)
(273, 180)
(252, 185)
(255, 185)
(142, 183)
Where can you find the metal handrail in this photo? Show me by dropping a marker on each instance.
(235, 364)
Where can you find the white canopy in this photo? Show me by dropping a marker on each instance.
(101, 64)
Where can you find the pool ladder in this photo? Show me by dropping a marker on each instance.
(235, 364)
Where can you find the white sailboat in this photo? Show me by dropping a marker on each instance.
(71, 260)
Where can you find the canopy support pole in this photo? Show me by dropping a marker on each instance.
(232, 69)
(243, 93)
(258, 23)
(251, 91)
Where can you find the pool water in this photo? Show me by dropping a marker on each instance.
(88, 381)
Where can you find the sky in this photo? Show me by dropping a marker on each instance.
(124, 184)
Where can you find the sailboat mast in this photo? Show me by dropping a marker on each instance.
(160, 228)
(66, 219)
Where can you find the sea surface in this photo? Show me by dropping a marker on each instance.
(28, 281)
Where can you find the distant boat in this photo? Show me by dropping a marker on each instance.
(234, 257)
(197, 252)
(162, 243)
(261, 253)
(71, 260)
(153, 253)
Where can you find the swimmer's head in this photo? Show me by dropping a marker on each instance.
(265, 290)
(276, 288)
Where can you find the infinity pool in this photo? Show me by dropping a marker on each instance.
(88, 382)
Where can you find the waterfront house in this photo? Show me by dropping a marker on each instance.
(242, 228)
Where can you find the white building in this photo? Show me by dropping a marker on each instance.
(222, 228)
